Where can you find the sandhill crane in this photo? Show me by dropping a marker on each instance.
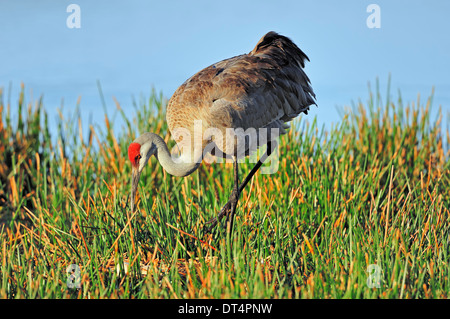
(262, 89)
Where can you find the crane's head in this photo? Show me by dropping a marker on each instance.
(139, 152)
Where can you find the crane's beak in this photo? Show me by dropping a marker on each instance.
(136, 174)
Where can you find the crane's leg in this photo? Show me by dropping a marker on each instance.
(234, 198)
(235, 195)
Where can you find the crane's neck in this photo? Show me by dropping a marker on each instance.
(185, 165)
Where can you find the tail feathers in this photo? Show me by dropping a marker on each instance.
(275, 44)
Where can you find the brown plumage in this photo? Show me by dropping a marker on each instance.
(265, 88)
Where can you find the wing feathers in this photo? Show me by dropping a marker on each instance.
(264, 88)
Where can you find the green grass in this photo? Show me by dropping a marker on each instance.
(372, 190)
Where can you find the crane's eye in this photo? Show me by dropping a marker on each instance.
(137, 158)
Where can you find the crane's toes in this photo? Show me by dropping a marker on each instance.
(227, 210)
(210, 224)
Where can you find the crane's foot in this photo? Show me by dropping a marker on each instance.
(230, 216)
(230, 207)
(227, 210)
(210, 224)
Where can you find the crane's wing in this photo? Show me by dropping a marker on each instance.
(264, 88)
